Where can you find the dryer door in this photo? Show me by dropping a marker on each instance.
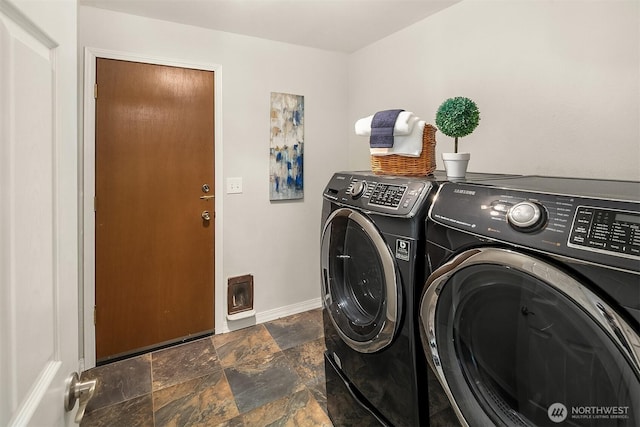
(359, 281)
(515, 341)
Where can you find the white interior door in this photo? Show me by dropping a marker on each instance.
(38, 218)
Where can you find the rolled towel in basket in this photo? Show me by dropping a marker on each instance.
(405, 145)
(382, 127)
(404, 124)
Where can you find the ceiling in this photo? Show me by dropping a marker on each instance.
(338, 25)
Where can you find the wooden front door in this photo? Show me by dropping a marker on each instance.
(154, 181)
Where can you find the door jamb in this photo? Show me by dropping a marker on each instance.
(86, 158)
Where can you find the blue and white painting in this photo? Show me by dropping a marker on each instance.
(287, 146)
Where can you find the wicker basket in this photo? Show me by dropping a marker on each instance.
(410, 166)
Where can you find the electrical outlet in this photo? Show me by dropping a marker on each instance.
(234, 185)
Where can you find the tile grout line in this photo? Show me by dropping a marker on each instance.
(153, 401)
(224, 375)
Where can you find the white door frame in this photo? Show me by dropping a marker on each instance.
(88, 187)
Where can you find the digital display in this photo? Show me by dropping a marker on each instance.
(389, 188)
(634, 219)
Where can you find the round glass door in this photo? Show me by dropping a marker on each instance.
(520, 343)
(360, 289)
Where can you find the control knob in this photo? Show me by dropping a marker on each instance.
(358, 189)
(526, 216)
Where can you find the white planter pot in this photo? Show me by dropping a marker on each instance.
(456, 164)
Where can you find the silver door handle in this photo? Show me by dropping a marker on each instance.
(206, 215)
(81, 391)
(206, 197)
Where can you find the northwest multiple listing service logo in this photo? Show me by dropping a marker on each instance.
(558, 412)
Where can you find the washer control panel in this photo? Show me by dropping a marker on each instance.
(397, 196)
(389, 195)
(385, 195)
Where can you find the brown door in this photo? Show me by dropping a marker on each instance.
(154, 249)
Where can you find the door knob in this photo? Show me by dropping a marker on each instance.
(206, 215)
(82, 391)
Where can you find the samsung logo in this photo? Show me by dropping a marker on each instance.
(467, 192)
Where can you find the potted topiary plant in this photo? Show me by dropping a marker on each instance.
(457, 117)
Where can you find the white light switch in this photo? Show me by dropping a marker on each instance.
(234, 185)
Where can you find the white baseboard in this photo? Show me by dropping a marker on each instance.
(288, 310)
(266, 316)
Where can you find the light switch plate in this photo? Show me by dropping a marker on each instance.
(234, 185)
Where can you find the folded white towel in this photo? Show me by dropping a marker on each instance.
(405, 145)
(404, 124)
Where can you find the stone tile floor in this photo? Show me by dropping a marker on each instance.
(268, 374)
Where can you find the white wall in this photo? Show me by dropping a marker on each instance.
(276, 242)
(557, 84)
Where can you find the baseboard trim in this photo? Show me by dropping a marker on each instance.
(288, 310)
(273, 314)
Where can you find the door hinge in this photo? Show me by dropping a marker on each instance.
(95, 204)
(95, 91)
(95, 317)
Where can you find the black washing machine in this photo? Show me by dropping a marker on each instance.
(373, 268)
(531, 314)
(372, 271)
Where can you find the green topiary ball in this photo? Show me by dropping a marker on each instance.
(457, 117)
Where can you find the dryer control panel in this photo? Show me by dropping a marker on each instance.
(606, 230)
(559, 220)
(395, 196)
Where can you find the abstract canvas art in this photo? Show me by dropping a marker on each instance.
(287, 147)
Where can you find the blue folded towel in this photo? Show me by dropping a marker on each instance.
(382, 128)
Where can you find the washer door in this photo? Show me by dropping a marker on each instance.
(359, 282)
(515, 341)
